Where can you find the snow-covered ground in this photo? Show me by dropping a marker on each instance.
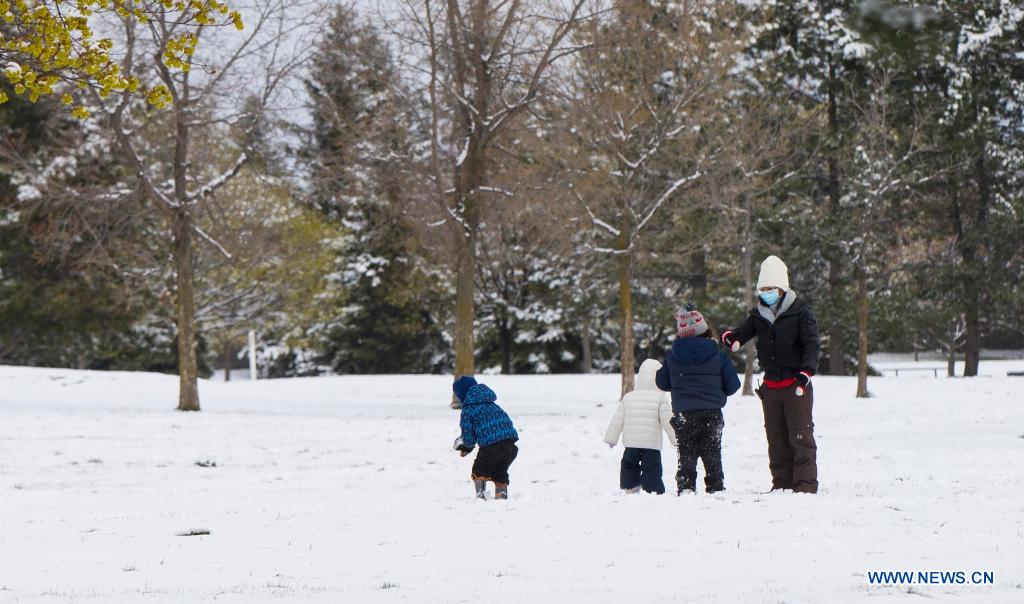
(345, 490)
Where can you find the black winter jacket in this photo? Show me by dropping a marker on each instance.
(789, 346)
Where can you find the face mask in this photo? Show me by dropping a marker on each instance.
(770, 298)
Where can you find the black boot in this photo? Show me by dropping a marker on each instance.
(500, 491)
(481, 488)
(685, 483)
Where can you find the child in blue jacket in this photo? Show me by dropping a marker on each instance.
(700, 378)
(486, 424)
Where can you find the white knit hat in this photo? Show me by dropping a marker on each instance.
(773, 274)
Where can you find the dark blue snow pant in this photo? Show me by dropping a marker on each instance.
(641, 468)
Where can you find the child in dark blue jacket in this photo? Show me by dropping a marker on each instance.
(700, 378)
(486, 424)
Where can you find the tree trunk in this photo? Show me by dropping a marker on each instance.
(652, 345)
(505, 341)
(972, 335)
(698, 278)
(748, 284)
(587, 360)
(464, 293)
(748, 372)
(227, 359)
(862, 333)
(974, 251)
(468, 177)
(836, 339)
(951, 355)
(627, 345)
(184, 263)
(969, 296)
(836, 345)
(188, 367)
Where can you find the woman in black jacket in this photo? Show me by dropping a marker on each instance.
(788, 351)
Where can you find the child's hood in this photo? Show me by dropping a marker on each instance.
(693, 351)
(479, 394)
(645, 378)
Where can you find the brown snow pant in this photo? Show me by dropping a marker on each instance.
(792, 452)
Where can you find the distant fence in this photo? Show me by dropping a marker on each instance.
(897, 370)
(935, 371)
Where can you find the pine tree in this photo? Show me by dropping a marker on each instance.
(361, 164)
(817, 59)
(60, 303)
(980, 79)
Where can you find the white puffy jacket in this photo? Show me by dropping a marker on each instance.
(643, 413)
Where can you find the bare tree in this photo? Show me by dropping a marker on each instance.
(647, 95)
(177, 177)
(276, 263)
(882, 173)
(485, 65)
(766, 138)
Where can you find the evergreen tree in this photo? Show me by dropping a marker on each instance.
(59, 306)
(362, 158)
(979, 76)
(817, 61)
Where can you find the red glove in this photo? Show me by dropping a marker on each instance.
(729, 340)
(803, 379)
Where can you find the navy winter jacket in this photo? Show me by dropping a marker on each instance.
(698, 375)
(483, 422)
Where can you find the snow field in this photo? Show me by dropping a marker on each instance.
(345, 489)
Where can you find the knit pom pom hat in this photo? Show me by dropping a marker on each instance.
(689, 322)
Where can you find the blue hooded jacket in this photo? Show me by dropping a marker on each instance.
(698, 375)
(483, 422)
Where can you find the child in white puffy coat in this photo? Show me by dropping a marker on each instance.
(641, 417)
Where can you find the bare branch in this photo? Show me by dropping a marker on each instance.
(212, 241)
(664, 196)
(219, 181)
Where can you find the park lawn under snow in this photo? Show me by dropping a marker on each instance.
(345, 489)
